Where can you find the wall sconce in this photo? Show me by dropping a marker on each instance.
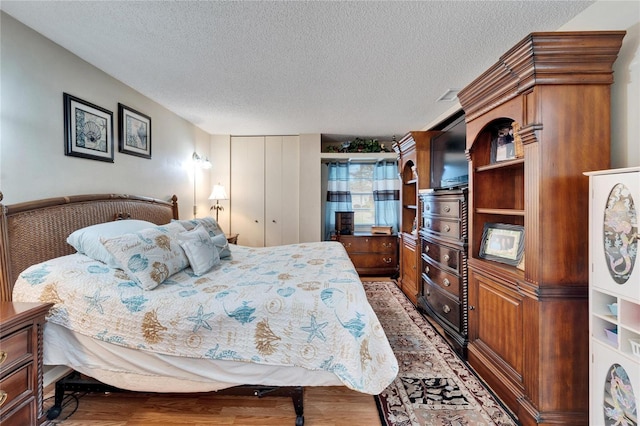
(218, 194)
(198, 162)
(202, 162)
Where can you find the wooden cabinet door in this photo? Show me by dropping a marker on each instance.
(247, 189)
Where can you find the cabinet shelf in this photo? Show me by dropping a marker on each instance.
(502, 212)
(518, 162)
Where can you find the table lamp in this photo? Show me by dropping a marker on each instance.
(218, 194)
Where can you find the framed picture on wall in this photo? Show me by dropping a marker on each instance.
(88, 130)
(135, 132)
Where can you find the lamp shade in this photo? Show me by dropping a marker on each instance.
(218, 193)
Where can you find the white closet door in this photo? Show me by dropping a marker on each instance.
(282, 183)
(247, 189)
(290, 184)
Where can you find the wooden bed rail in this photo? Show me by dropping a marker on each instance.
(36, 231)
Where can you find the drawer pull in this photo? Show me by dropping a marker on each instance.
(346, 244)
(426, 249)
(471, 307)
(3, 397)
(428, 292)
(446, 258)
(366, 240)
(426, 270)
(446, 282)
(427, 224)
(427, 207)
(446, 309)
(386, 259)
(3, 356)
(447, 228)
(447, 209)
(387, 245)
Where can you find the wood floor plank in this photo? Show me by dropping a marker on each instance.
(324, 406)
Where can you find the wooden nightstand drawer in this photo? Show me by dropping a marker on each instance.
(16, 386)
(375, 260)
(15, 348)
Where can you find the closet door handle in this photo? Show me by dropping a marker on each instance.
(274, 221)
(256, 220)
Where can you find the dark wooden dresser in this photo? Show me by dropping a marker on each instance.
(443, 241)
(372, 254)
(21, 393)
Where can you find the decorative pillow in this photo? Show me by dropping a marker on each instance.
(221, 243)
(200, 250)
(215, 232)
(87, 240)
(149, 256)
(209, 224)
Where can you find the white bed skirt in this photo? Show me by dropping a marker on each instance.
(141, 371)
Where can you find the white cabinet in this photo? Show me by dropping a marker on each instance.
(264, 191)
(614, 297)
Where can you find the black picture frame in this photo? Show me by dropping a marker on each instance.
(502, 242)
(503, 147)
(134, 136)
(88, 130)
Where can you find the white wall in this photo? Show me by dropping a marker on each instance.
(625, 91)
(34, 74)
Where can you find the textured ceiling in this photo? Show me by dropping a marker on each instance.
(370, 68)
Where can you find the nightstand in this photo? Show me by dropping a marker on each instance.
(232, 239)
(21, 392)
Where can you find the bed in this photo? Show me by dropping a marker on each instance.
(268, 321)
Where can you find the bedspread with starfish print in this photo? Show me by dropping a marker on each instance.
(295, 305)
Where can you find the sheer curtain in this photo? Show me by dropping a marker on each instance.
(338, 195)
(386, 193)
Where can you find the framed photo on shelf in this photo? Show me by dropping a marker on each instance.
(502, 242)
(135, 132)
(88, 130)
(503, 147)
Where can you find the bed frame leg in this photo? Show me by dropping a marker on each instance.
(298, 405)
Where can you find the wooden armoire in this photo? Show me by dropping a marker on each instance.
(528, 324)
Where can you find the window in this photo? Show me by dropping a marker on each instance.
(361, 188)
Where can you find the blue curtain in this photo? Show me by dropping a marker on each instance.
(386, 193)
(338, 195)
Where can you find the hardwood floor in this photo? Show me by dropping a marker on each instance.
(323, 406)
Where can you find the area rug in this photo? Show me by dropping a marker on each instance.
(434, 386)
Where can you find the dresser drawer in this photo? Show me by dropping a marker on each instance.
(449, 228)
(355, 244)
(438, 207)
(443, 304)
(15, 348)
(447, 257)
(374, 260)
(446, 280)
(15, 386)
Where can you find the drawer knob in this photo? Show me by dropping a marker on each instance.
(446, 309)
(366, 240)
(426, 270)
(471, 307)
(3, 397)
(387, 245)
(427, 224)
(447, 209)
(446, 257)
(426, 249)
(346, 244)
(427, 207)
(446, 282)
(428, 292)
(3, 356)
(386, 259)
(447, 228)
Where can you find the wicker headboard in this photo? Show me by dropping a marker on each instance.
(36, 231)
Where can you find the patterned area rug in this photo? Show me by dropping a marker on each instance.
(434, 386)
